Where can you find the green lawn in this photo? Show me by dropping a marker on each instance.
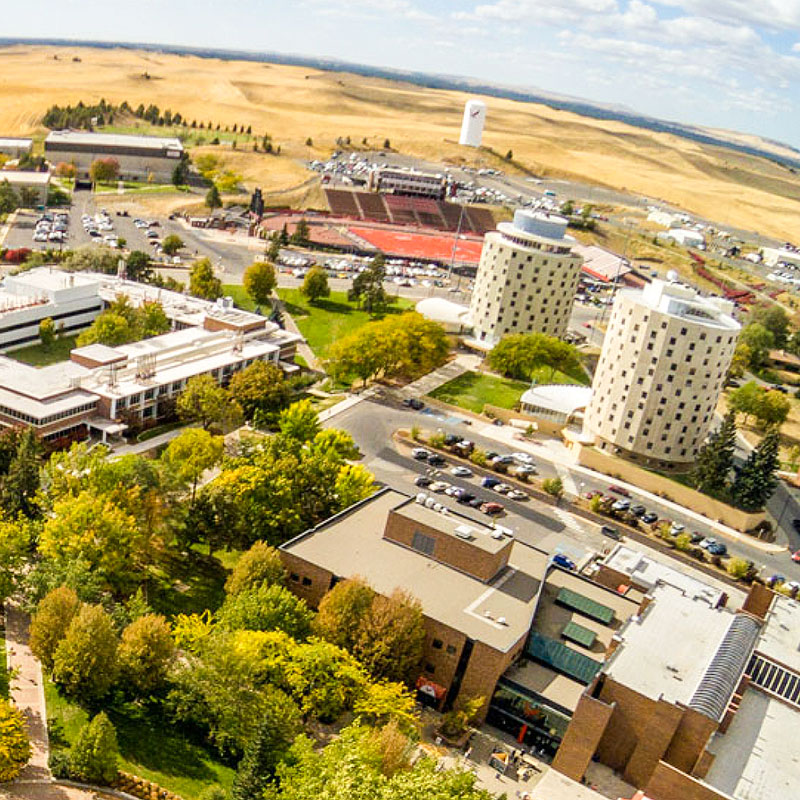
(149, 747)
(544, 374)
(473, 390)
(133, 187)
(330, 319)
(240, 297)
(189, 136)
(39, 356)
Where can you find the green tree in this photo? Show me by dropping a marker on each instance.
(47, 332)
(104, 170)
(760, 340)
(94, 755)
(737, 568)
(553, 487)
(520, 354)
(756, 481)
(775, 320)
(715, 460)
(260, 565)
(202, 281)
(367, 288)
(275, 733)
(267, 608)
(190, 454)
(740, 363)
(205, 401)
(15, 545)
(260, 281)
(274, 249)
(151, 320)
(91, 258)
(301, 233)
(145, 653)
(15, 746)
(108, 328)
(354, 482)
(172, 244)
(746, 400)
(315, 284)
(299, 422)
(509, 155)
(260, 389)
(138, 267)
(19, 487)
(50, 622)
(181, 173)
(213, 200)
(85, 662)
(9, 199)
(98, 531)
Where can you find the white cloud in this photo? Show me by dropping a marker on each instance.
(772, 14)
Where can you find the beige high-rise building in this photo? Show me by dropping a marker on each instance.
(526, 280)
(665, 357)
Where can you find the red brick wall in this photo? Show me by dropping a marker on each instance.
(585, 731)
(669, 783)
(484, 669)
(311, 583)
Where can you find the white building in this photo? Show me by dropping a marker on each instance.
(14, 147)
(774, 256)
(662, 218)
(526, 279)
(139, 157)
(103, 389)
(453, 317)
(472, 123)
(37, 182)
(663, 365)
(560, 403)
(407, 182)
(684, 237)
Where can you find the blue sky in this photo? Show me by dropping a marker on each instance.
(720, 63)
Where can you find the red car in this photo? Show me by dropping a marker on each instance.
(492, 508)
(619, 490)
(796, 556)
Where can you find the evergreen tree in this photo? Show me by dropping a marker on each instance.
(280, 724)
(283, 238)
(756, 480)
(93, 757)
(715, 460)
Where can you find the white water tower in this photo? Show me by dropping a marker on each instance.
(472, 124)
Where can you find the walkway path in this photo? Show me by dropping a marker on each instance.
(27, 692)
(463, 362)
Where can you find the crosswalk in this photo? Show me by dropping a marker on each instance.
(569, 520)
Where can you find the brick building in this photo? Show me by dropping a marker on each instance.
(502, 622)
(695, 700)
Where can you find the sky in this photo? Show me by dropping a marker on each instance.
(731, 64)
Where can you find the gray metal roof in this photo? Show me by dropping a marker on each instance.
(726, 668)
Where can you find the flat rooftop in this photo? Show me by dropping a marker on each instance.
(648, 572)
(353, 544)
(49, 280)
(547, 683)
(113, 140)
(780, 634)
(15, 141)
(758, 758)
(666, 651)
(25, 177)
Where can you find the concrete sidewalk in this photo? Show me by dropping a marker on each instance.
(27, 693)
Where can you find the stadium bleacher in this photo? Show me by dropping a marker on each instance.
(404, 210)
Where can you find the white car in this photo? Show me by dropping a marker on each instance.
(40, 236)
(516, 494)
(461, 472)
(439, 487)
(522, 458)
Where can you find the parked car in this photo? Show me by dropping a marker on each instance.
(453, 491)
(465, 497)
(502, 488)
(464, 447)
(649, 518)
(414, 402)
(438, 486)
(489, 483)
(435, 460)
(516, 494)
(562, 561)
(476, 502)
(492, 508)
(697, 537)
(593, 493)
(422, 481)
(612, 533)
(502, 460)
(461, 472)
(638, 511)
(621, 505)
(796, 556)
(451, 438)
(619, 490)
(420, 453)
(676, 528)
(523, 470)
(522, 458)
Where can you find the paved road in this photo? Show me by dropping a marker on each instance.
(372, 424)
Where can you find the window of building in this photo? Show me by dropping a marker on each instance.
(450, 649)
(306, 581)
(423, 544)
(437, 644)
(430, 668)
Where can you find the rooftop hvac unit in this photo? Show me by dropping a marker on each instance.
(465, 532)
(421, 497)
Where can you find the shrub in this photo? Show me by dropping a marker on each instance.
(415, 432)
(437, 440)
(93, 757)
(738, 568)
(478, 457)
(683, 542)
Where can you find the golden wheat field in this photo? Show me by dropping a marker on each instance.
(297, 103)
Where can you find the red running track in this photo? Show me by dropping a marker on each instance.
(420, 245)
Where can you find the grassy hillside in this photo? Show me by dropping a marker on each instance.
(297, 103)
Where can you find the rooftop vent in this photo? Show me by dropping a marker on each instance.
(465, 532)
